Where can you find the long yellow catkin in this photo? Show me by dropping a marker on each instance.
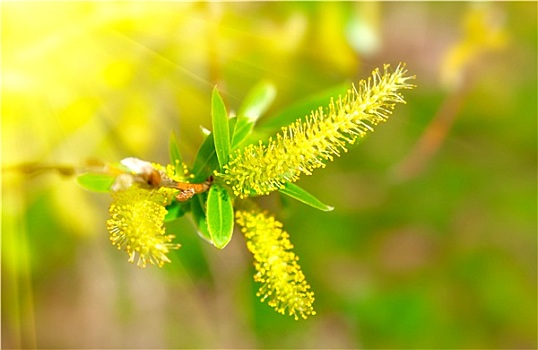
(283, 284)
(306, 145)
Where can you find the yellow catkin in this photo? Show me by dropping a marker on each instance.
(307, 144)
(283, 283)
(136, 223)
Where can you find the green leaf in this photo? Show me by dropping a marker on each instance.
(221, 129)
(96, 182)
(258, 99)
(206, 160)
(301, 195)
(243, 128)
(220, 216)
(175, 155)
(176, 210)
(256, 103)
(302, 108)
(198, 205)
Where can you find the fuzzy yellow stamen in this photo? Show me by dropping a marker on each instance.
(306, 145)
(283, 283)
(136, 225)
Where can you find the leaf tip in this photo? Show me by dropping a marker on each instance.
(328, 208)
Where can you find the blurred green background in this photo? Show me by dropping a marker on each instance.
(433, 240)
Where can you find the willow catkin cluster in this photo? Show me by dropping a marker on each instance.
(137, 212)
(307, 144)
(136, 226)
(283, 284)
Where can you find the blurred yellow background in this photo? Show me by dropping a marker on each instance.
(433, 240)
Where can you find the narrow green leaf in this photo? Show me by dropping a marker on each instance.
(198, 205)
(258, 99)
(176, 210)
(175, 155)
(243, 128)
(220, 216)
(206, 160)
(96, 182)
(221, 129)
(301, 195)
(240, 129)
(302, 108)
(256, 103)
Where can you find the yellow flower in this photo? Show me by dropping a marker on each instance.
(283, 282)
(136, 225)
(306, 145)
(139, 208)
